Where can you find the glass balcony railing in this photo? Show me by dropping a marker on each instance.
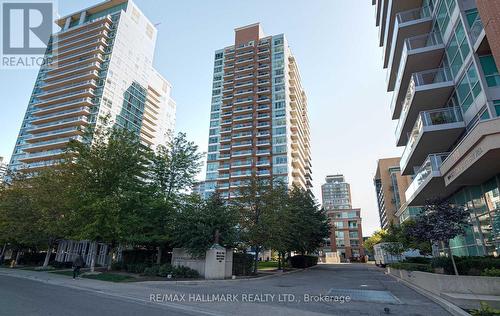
(241, 173)
(241, 163)
(45, 153)
(430, 165)
(414, 14)
(242, 153)
(429, 118)
(418, 79)
(224, 166)
(77, 110)
(59, 131)
(76, 84)
(54, 141)
(64, 121)
(422, 41)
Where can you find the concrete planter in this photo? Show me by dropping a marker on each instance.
(465, 291)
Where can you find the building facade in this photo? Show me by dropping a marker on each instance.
(390, 188)
(258, 121)
(3, 169)
(346, 235)
(441, 61)
(98, 65)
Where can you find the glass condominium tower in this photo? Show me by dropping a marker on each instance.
(100, 66)
(441, 58)
(258, 121)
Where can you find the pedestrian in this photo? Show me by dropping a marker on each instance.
(77, 265)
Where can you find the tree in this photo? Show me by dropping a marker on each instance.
(172, 172)
(441, 221)
(310, 225)
(374, 239)
(253, 214)
(108, 187)
(200, 224)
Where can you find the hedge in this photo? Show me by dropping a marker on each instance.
(466, 265)
(303, 261)
(411, 266)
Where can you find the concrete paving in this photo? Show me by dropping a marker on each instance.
(343, 289)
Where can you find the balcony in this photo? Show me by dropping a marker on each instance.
(65, 89)
(419, 53)
(61, 115)
(70, 72)
(427, 90)
(62, 107)
(241, 153)
(475, 159)
(408, 23)
(427, 182)
(394, 7)
(93, 74)
(434, 131)
(51, 144)
(241, 163)
(43, 155)
(477, 33)
(65, 98)
(68, 122)
(70, 131)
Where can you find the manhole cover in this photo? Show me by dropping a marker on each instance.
(366, 295)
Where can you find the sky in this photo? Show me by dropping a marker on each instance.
(335, 43)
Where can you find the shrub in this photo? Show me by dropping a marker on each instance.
(411, 266)
(135, 256)
(118, 265)
(422, 260)
(466, 265)
(164, 270)
(62, 265)
(491, 272)
(485, 310)
(34, 258)
(152, 271)
(303, 261)
(242, 263)
(136, 267)
(184, 272)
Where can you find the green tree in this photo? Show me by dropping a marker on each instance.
(107, 175)
(374, 239)
(439, 222)
(199, 224)
(310, 225)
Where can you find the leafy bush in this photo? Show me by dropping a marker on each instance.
(303, 261)
(152, 271)
(422, 260)
(491, 272)
(136, 267)
(411, 266)
(62, 265)
(164, 270)
(242, 263)
(466, 265)
(485, 310)
(117, 266)
(135, 256)
(34, 258)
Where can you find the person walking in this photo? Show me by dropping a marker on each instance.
(77, 265)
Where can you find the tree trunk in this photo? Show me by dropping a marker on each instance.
(279, 260)
(17, 257)
(158, 256)
(47, 256)
(257, 249)
(3, 253)
(450, 254)
(110, 261)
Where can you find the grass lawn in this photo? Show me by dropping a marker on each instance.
(110, 277)
(267, 265)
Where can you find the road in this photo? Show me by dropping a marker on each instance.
(352, 289)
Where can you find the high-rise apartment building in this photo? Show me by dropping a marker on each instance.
(99, 65)
(390, 187)
(346, 235)
(336, 193)
(441, 58)
(258, 121)
(3, 169)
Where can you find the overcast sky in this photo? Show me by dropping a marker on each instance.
(335, 45)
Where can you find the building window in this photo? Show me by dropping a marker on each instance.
(458, 49)
(496, 103)
(468, 88)
(443, 14)
(490, 70)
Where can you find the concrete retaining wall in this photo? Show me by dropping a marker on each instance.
(439, 283)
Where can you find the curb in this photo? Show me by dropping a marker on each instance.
(448, 306)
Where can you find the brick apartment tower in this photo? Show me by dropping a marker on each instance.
(346, 235)
(258, 121)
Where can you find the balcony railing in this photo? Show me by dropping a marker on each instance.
(418, 79)
(430, 165)
(422, 41)
(429, 118)
(414, 14)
